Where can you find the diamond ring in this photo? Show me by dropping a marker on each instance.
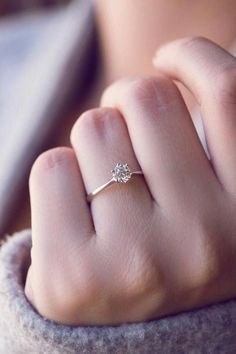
(120, 174)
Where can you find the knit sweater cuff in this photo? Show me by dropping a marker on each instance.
(208, 330)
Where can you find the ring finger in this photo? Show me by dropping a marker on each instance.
(100, 139)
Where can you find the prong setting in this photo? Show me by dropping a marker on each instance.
(121, 173)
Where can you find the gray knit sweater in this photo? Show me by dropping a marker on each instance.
(22, 330)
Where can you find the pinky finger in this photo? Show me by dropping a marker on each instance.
(61, 220)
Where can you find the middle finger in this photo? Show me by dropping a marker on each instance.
(164, 139)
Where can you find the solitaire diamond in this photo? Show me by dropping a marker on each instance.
(121, 173)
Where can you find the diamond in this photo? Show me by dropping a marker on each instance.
(121, 173)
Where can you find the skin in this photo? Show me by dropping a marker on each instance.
(130, 33)
(164, 242)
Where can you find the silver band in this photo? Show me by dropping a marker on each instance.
(120, 174)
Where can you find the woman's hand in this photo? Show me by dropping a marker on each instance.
(164, 242)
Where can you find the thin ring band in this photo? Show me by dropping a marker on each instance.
(121, 174)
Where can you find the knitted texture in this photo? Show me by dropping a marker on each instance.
(22, 330)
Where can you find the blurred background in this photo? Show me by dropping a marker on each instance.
(13, 6)
(47, 62)
(52, 68)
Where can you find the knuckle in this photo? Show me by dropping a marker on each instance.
(50, 160)
(205, 265)
(109, 95)
(153, 90)
(225, 88)
(93, 121)
(64, 301)
(142, 277)
(223, 79)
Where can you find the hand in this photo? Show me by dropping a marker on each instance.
(162, 243)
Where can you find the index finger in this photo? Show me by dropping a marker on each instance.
(209, 72)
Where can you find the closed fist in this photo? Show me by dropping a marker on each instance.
(163, 242)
